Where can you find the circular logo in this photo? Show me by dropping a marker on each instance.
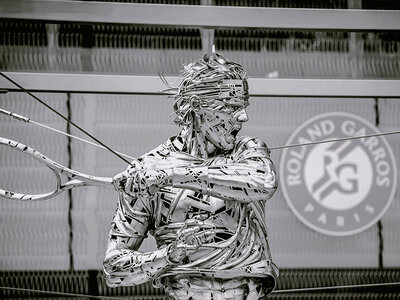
(343, 187)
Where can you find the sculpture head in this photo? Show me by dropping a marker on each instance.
(212, 99)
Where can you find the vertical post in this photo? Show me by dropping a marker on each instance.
(87, 215)
(88, 42)
(355, 44)
(379, 224)
(70, 200)
(207, 35)
(52, 45)
(93, 287)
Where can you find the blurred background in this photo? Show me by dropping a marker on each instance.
(59, 244)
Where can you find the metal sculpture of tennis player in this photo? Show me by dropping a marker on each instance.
(201, 194)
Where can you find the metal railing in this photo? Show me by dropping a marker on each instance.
(152, 85)
(203, 16)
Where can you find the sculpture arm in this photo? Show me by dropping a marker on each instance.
(248, 178)
(124, 265)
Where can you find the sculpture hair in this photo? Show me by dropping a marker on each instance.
(209, 78)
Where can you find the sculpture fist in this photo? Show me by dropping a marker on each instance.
(139, 181)
(123, 181)
(148, 182)
(187, 242)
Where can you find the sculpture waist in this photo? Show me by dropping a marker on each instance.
(261, 269)
(241, 248)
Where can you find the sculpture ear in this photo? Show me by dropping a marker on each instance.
(195, 103)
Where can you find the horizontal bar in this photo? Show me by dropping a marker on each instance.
(200, 15)
(351, 88)
(259, 87)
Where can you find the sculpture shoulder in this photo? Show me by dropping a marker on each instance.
(162, 150)
(167, 155)
(247, 147)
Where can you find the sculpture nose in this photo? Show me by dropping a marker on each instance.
(242, 116)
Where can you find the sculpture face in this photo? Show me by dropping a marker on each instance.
(222, 120)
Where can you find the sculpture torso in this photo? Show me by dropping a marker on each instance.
(237, 242)
(239, 250)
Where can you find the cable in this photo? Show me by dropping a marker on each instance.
(27, 120)
(335, 140)
(65, 118)
(323, 288)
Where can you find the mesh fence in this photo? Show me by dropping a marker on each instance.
(149, 50)
(92, 283)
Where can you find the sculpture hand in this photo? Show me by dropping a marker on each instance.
(148, 182)
(188, 242)
(140, 181)
(123, 181)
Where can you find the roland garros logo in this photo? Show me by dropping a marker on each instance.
(338, 188)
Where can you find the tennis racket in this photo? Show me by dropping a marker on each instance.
(76, 179)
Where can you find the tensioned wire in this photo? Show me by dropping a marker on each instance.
(335, 140)
(300, 290)
(27, 120)
(119, 154)
(64, 117)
